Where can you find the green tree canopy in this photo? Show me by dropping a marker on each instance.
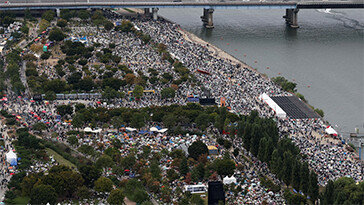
(197, 149)
(56, 34)
(116, 197)
(168, 93)
(103, 184)
(43, 194)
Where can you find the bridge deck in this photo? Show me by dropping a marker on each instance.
(81, 4)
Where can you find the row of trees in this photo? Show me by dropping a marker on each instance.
(13, 68)
(176, 118)
(260, 136)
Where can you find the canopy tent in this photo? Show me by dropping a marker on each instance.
(87, 129)
(130, 129)
(162, 130)
(153, 129)
(97, 130)
(229, 180)
(329, 130)
(11, 158)
(279, 111)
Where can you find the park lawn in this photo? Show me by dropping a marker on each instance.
(60, 159)
(21, 200)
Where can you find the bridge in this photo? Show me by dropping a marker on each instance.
(208, 6)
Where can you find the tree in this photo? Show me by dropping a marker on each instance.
(84, 14)
(320, 112)
(295, 181)
(39, 126)
(129, 78)
(224, 167)
(110, 93)
(62, 23)
(197, 148)
(43, 194)
(83, 192)
(72, 140)
(48, 15)
(89, 173)
(138, 120)
(138, 91)
(168, 93)
(184, 169)
(108, 25)
(56, 34)
(50, 95)
(64, 110)
(45, 55)
(305, 177)
(313, 191)
(103, 184)
(104, 161)
(116, 197)
(56, 86)
(155, 170)
(328, 195)
(287, 167)
(43, 25)
(24, 29)
(140, 196)
(86, 84)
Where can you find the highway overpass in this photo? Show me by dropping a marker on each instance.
(292, 7)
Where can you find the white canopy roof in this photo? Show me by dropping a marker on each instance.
(11, 157)
(97, 130)
(153, 129)
(162, 130)
(87, 129)
(279, 111)
(229, 180)
(329, 130)
(130, 129)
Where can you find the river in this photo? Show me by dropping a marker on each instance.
(325, 56)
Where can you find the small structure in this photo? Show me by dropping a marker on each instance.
(11, 158)
(229, 180)
(213, 150)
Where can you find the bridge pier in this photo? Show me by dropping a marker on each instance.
(155, 13)
(291, 18)
(58, 11)
(146, 11)
(207, 18)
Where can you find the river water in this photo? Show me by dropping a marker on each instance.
(325, 56)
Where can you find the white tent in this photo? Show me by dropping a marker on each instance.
(162, 130)
(97, 130)
(229, 180)
(279, 111)
(130, 129)
(329, 130)
(11, 158)
(87, 129)
(153, 129)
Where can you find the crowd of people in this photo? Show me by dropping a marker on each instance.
(239, 84)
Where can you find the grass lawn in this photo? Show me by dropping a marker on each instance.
(60, 159)
(21, 200)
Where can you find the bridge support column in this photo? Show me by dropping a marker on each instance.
(155, 13)
(58, 11)
(146, 11)
(207, 18)
(291, 18)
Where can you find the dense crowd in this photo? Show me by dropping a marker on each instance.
(238, 84)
